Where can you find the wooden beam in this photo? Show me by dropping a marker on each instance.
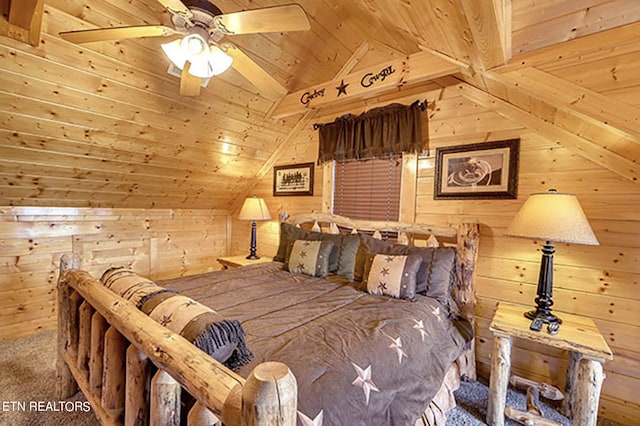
(390, 75)
(598, 44)
(490, 27)
(21, 13)
(586, 105)
(570, 107)
(617, 164)
(24, 20)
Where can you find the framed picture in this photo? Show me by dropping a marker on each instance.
(477, 171)
(295, 179)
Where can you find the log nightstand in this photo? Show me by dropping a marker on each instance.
(587, 352)
(240, 261)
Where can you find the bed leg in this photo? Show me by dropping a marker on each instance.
(270, 396)
(67, 314)
(165, 400)
(136, 407)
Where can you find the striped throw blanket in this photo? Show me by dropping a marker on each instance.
(221, 338)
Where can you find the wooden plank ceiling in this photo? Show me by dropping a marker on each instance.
(103, 124)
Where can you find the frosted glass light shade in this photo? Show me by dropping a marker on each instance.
(552, 216)
(174, 52)
(220, 61)
(204, 64)
(254, 209)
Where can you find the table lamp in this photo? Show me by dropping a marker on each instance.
(551, 217)
(254, 209)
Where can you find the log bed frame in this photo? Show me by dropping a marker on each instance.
(132, 369)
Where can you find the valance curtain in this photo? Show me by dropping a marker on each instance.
(384, 131)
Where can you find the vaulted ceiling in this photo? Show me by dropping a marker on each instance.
(103, 124)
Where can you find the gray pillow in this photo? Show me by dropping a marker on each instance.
(343, 255)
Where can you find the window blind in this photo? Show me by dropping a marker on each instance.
(368, 189)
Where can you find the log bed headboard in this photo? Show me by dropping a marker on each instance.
(100, 332)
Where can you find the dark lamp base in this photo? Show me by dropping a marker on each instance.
(253, 257)
(539, 318)
(547, 318)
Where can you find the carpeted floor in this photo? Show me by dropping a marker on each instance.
(27, 391)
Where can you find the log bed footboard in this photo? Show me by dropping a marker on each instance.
(111, 350)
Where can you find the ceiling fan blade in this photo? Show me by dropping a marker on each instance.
(270, 19)
(267, 85)
(189, 84)
(116, 33)
(176, 7)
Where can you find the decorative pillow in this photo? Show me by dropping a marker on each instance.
(436, 275)
(222, 339)
(393, 275)
(309, 257)
(343, 255)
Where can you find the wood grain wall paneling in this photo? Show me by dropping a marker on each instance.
(158, 243)
(596, 281)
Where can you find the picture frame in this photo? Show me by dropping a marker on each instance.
(487, 170)
(293, 179)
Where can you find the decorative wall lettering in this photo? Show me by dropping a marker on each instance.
(369, 78)
(308, 97)
(387, 75)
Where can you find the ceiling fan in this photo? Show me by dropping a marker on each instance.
(201, 52)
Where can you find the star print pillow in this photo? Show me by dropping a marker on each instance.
(392, 275)
(309, 257)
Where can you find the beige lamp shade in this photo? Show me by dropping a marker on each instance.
(254, 209)
(552, 216)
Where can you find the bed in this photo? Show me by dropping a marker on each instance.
(325, 348)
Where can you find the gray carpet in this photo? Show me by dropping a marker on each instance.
(27, 391)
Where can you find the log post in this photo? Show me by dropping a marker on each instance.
(113, 379)
(570, 383)
(67, 327)
(270, 396)
(199, 415)
(98, 328)
(499, 380)
(587, 395)
(75, 300)
(138, 373)
(84, 338)
(165, 400)
(464, 294)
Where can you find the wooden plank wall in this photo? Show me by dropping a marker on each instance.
(601, 282)
(158, 243)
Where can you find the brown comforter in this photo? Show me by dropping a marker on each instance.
(359, 359)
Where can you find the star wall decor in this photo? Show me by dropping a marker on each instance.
(342, 89)
(364, 381)
(306, 421)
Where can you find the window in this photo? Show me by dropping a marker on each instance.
(368, 189)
